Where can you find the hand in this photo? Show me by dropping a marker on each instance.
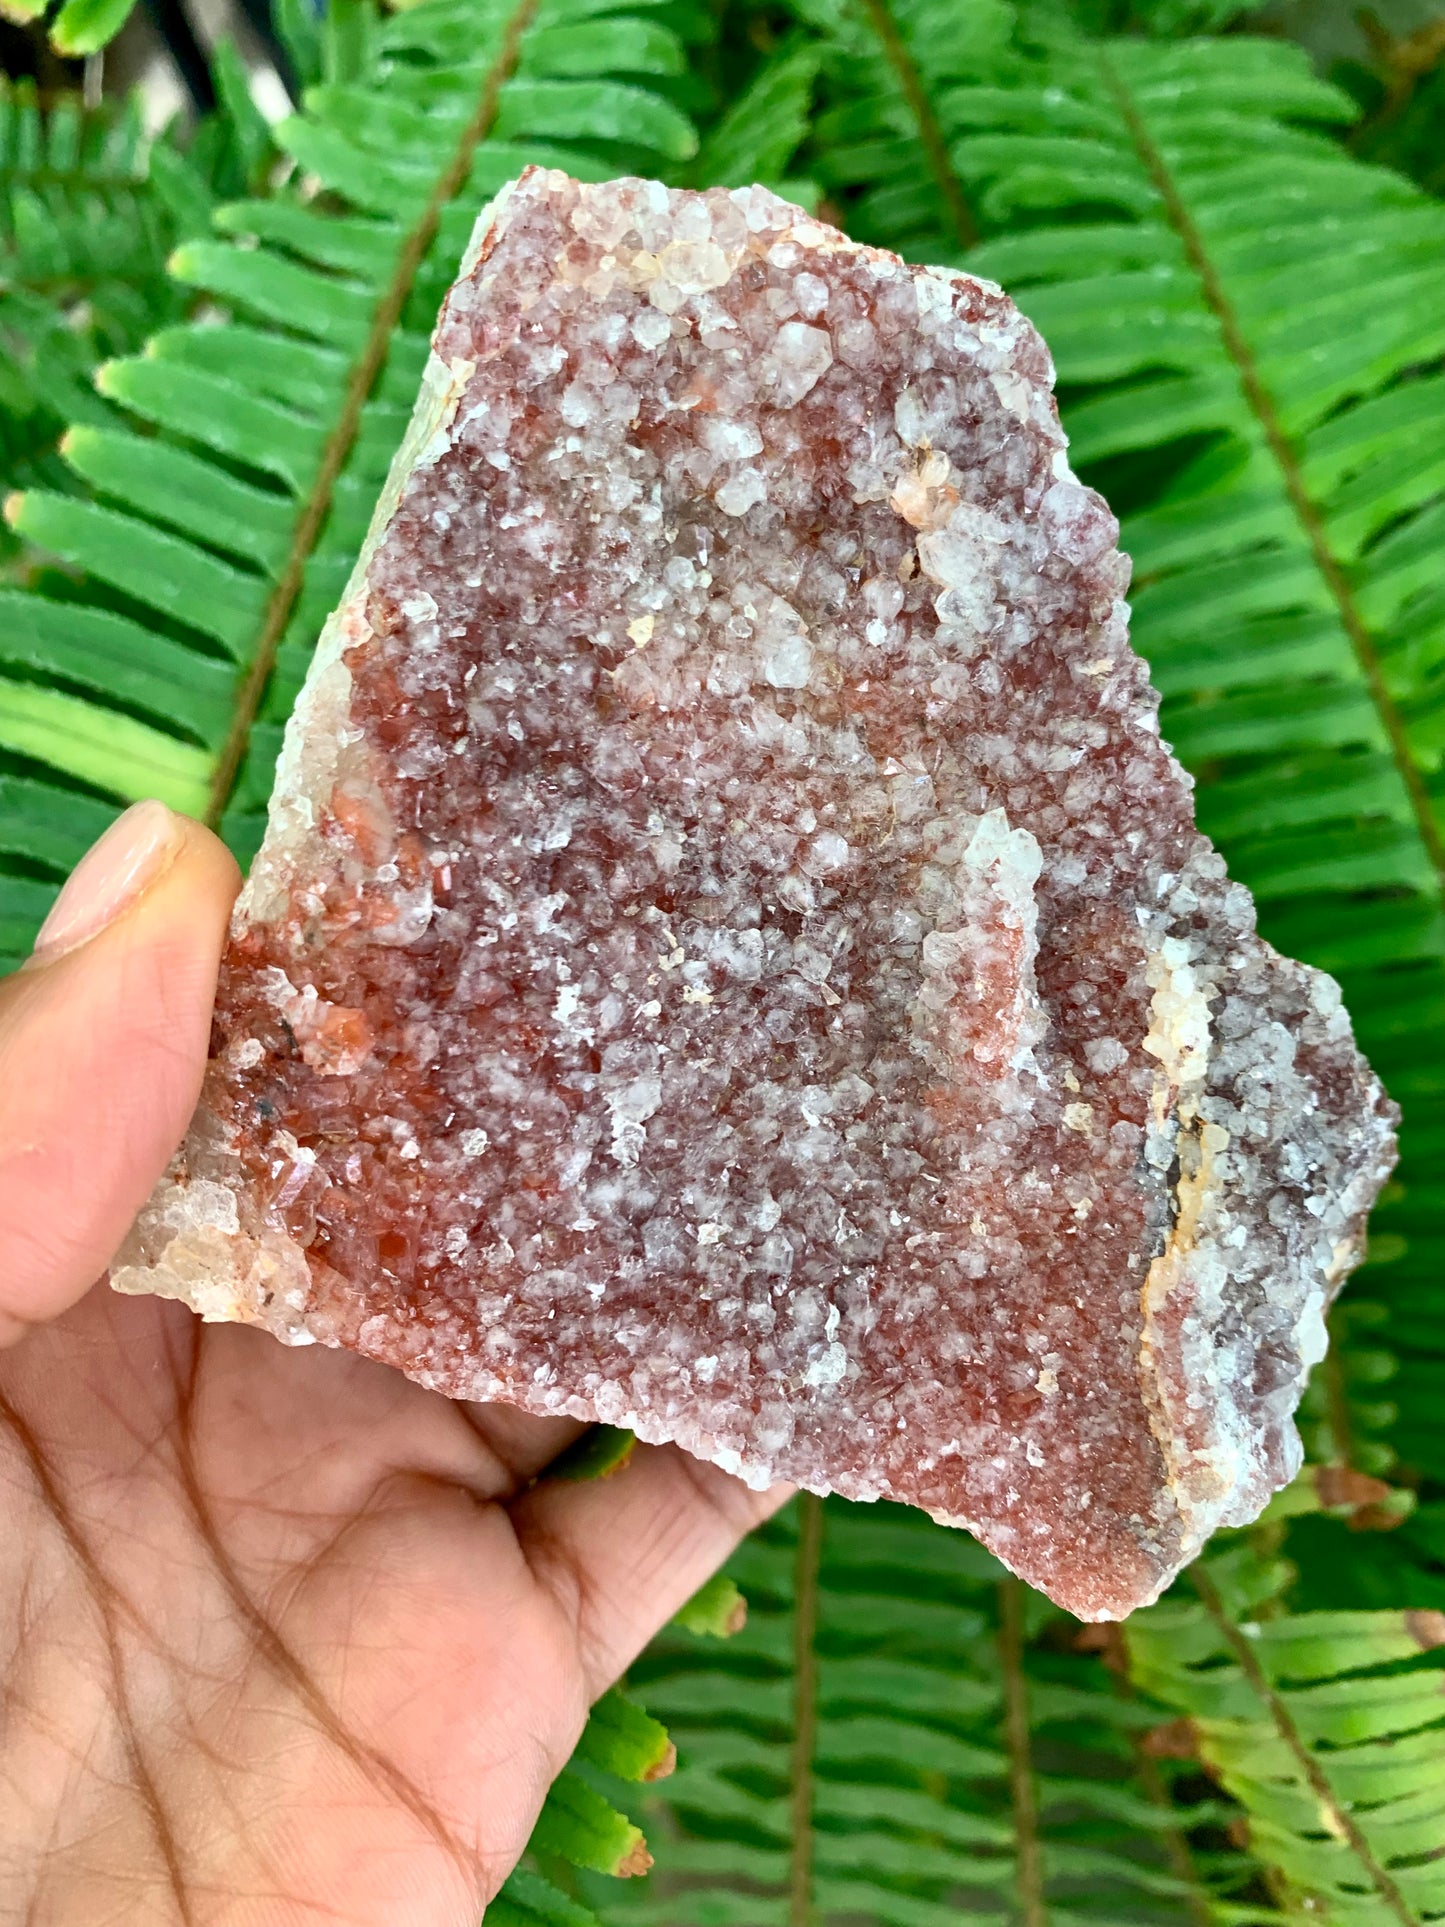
(283, 1638)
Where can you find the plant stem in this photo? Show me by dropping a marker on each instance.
(930, 130)
(805, 1706)
(1311, 521)
(1176, 1841)
(1030, 1879)
(363, 378)
(1411, 59)
(1337, 1817)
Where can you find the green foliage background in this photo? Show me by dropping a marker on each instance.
(209, 345)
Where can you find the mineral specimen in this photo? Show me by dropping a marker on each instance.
(731, 955)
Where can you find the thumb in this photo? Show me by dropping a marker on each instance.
(103, 1039)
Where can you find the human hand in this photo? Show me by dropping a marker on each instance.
(284, 1638)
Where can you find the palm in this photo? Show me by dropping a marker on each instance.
(295, 1641)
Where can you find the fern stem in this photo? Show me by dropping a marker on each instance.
(1176, 1844)
(1030, 1867)
(1337, 1402)
(362, 380)
(1157, 1792)
(930, 130)
(805, 1706)
(1338, 1818)
(1411, 59)
(1260, 400)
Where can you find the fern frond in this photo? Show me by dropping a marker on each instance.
(579, 1827)
(84, 234)
(527, 1900)
(1327, 1727)
(226, 520)
(1249, 326)
(895, 101)
(1253, 371)
(68, 213)
(717, 1610)
(901, 1734)
(81, 27)
(757, 136)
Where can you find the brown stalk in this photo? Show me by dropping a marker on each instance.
(930, 130)
(339, 443)
(1311, 521)
(1033, 1911)
(805, 1706)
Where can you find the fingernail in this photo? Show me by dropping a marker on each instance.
(134, 851)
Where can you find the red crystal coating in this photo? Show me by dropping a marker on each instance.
(731, 955)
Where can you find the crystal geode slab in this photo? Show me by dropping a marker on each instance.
(731, 956)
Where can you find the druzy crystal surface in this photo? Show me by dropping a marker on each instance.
(731, 955)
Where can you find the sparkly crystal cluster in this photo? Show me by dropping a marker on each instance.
(731, 955)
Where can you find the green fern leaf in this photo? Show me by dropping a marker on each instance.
(903, 1734)
(1327, 1727)
(601, 1450)
(228, 522)
(1247, 324)
(526, 1900)
(52, 827)
(102, 748)
(758, 135)
(578, 1825)
(716, 1610)
(620, 1738)
(893, 96)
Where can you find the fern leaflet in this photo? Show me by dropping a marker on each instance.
(221, 531)
(882, 145)
(1328, 1727)
(860, 1750)
(89, 209)
(1249, 326)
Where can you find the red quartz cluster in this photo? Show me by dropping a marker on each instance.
(732, 956)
